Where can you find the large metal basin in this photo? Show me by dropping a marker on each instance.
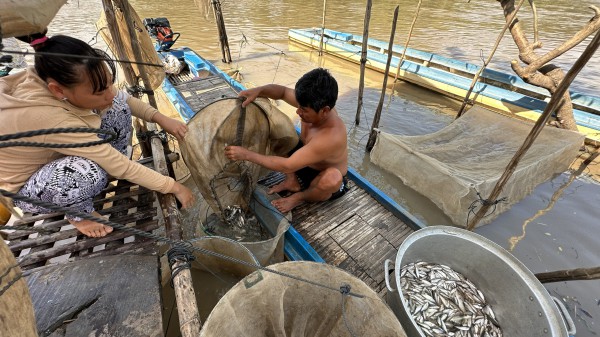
(522, 305)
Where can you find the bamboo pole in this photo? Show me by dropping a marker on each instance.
(489, 59)
(322, 28)
(412, 26)
(373, 135)
(184, 291)
(363, 61)
(577, 274)
(554, 102)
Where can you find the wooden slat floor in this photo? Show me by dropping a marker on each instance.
(200, 92)
(354, 232)
(122, 201)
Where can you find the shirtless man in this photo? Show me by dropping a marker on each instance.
(316, 170)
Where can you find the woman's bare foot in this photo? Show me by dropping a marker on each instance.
(285, 205)
(91, 228)
(289, 184)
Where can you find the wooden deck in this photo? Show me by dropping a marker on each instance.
(355, 232)
(81, 286)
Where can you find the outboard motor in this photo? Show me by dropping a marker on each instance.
(160, 29)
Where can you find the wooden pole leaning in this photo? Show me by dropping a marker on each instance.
(363, 61)
(554, 102)
(509, 21)
(322, 28)
(373, 134)
(187, 307)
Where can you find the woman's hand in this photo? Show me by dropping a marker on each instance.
(173, 126)
(183, 194)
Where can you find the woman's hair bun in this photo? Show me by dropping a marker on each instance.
(36, 41)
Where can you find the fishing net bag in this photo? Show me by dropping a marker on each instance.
(267, 304)
(470, 155)
(261, 128)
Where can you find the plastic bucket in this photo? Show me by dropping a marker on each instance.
(521, 304)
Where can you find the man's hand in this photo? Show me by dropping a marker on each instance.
(250, 95)
(236, 152)
(183, 194)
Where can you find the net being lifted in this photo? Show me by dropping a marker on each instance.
(261, 128)
(468, 156)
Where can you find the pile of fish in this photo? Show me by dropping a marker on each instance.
(445, 303)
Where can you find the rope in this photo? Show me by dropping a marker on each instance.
(19, 52)
(179, 254)
(112, 135)
(484, 202)
(182, 243)
(345, 290)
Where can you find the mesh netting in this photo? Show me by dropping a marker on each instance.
(222, 182)
(121, 46)
(24, 17)
(266, 304)
(469, 156)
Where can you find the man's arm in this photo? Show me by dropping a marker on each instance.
(272, 91)
(305, 156)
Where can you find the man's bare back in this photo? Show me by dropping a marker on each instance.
(323, 134)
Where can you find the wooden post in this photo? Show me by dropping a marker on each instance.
(223, 41)
(569, 275)
(322, 28)
(555, 101)
(373, 135)
(489, 59)
(184, 291)
(363, 61)
(412, 26)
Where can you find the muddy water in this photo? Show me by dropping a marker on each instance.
(563, 237)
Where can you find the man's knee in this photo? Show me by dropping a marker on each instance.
(330, 180)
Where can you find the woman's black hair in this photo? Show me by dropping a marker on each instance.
(317, 89)
(67, 70)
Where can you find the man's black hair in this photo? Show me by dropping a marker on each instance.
(317, 89)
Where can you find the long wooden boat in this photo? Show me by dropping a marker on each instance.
(495, 90)
(356, 232)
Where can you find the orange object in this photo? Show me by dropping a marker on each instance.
(4, 215)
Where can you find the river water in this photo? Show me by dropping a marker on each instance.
(561, 238)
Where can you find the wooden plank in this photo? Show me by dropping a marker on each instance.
(111, 296)
(49, 252)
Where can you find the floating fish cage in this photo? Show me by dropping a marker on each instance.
(521, 305)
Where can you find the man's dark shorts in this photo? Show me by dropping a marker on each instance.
(307, 174)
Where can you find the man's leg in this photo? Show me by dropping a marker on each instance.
(320, 189)
(68, 182)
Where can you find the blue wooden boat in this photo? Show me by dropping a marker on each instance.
(373, 224)
(496, 90)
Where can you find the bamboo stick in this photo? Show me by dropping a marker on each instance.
(363, 61)
(489, 59)
(373, 135)
(555, 101)
(322, 28)
(412, 26)
(187, 307)
(577, 274)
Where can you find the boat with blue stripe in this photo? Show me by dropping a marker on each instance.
(495, 90)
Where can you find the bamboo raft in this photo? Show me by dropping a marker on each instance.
(74, 280)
